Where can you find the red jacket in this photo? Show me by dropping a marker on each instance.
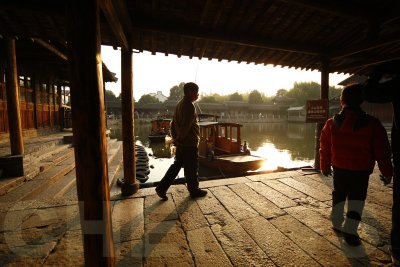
(344, 147)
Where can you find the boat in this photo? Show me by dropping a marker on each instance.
(221, 148)
(160, 128)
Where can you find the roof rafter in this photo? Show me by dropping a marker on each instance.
(233, 39)
(112, 17)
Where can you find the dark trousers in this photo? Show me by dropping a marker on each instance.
(186, 157)
(351, 186)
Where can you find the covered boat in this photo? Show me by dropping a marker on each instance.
(160, 128)
(221, 148)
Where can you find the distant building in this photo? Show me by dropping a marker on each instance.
(159, 95)
(296, 114)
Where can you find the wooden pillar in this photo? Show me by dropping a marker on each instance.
(13, 105)
(36, 88)
(49, 89)
(60, 109)
(89, 132)
(324, 95)
(64, 95)
(54, 96)
(129, 185)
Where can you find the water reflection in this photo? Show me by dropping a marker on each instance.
(160, 149)
(285, 145)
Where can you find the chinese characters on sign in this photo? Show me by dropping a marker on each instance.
(317, 110)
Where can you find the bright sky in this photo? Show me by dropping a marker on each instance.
(152, 73)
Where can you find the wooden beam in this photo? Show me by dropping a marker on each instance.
(365, 63)
(13, 106)
(129, 185)
(51, 48)
(347, 9)
(89, 132)
(268, 43)
(364, 47)
(112, 17)
(124, 17)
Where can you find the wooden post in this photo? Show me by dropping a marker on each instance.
(324, 95)
(59, 86)
(13, 105)
(36, 88)
(129, 185)
(89, 132)
(105, 104)
(49, 100)
(64, 95)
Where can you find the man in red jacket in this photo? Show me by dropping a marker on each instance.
(350, 143)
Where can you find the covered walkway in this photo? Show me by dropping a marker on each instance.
(277, 219)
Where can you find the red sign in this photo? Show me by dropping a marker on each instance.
(317, 110)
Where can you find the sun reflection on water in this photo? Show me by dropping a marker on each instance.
(277, 158)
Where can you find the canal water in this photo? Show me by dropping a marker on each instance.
(282, 144)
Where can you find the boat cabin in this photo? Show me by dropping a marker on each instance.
(160, 126)
(220, 138)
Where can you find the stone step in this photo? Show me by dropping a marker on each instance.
(66, 187)
(30, 188)
(34, 166)
(61, 187)
(55, 174)
(35, 163)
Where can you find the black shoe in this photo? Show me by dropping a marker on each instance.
(198, 193)
(161, 194)
(395, 261)
(337, 229)
(352, 240)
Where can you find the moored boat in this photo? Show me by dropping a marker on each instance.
(160, 128)
(221, 148)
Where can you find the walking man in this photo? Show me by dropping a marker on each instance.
(351, 142)
(185, 132)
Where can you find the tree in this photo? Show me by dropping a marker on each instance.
(303, 91)
(109, 96)
(148, 99)
(235, 97)
(334, 92)
(176, 92)
(281, 93)
(255, 97)
(208, 99)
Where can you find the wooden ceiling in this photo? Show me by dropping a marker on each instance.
(351, 35)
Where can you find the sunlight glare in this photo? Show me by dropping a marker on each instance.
(277, 158)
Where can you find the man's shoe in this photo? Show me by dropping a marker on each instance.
(161, 194)
(395, 261)
(352, 240)
(198, 193)
(337, 229)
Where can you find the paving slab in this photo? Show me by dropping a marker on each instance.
(276, 219)
(272, 195)
(241, 249)
(235, 205)
(206, 249)
(275, 244)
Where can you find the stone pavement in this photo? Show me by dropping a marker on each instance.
(276, 219)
